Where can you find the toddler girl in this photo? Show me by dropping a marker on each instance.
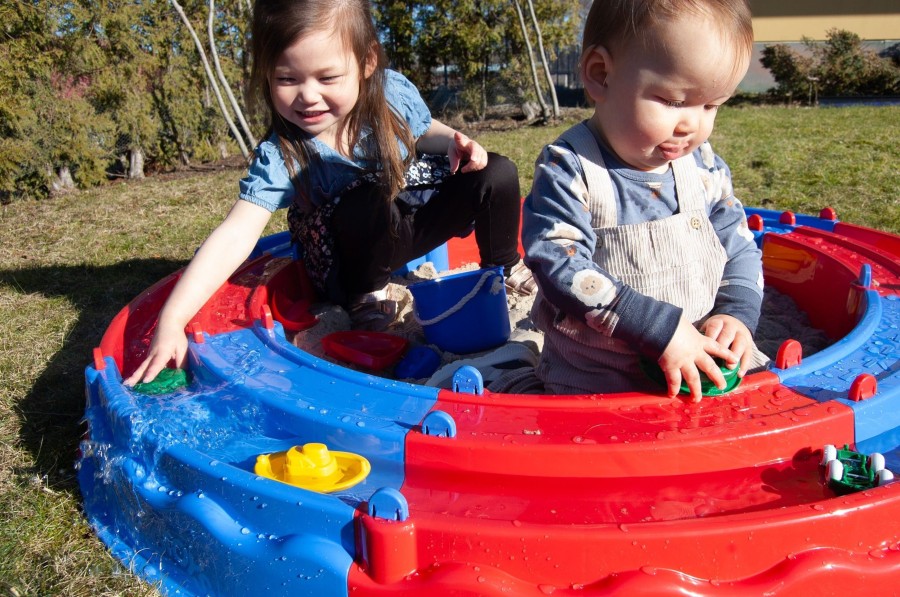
(344, 153)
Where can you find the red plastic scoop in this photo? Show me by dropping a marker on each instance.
(372, 350)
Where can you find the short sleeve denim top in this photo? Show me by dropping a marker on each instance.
(268, 183)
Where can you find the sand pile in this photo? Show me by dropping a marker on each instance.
(780, 320)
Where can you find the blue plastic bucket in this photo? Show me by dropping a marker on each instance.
(465, 312)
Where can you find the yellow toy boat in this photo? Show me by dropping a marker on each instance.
(313, 466)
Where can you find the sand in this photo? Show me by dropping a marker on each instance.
(780, 320)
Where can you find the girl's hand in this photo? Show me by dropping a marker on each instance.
(462, 148)
(216, 259)
(169, 344)
(688, 353)
(731, 333)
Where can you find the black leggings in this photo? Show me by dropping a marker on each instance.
(362, 222)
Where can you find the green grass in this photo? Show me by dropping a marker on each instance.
(67, 266)
(799, 159)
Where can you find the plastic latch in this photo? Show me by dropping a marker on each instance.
(864, 386)
(865, 276)
(266, 317)
(790, 354)
(99, 363)
(468, 380)
(828, 213)
(439, 424)
(389, 504)
(197, 332)
(788, 217)
(755, 222)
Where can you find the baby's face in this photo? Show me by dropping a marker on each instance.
(660, 104)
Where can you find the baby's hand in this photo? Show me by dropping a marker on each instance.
(731, 333)
(167, 345)
(688, 353)
(462, 147)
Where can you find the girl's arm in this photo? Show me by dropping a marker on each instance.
(218, 257)
(440, 138)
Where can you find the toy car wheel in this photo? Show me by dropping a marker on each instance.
(876, 461)
(829, 452)
(883, 476)
(835, 470)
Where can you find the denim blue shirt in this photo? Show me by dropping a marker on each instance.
(268, 183)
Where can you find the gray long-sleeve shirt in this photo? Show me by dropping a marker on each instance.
(643, 322)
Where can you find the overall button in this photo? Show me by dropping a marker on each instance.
(695, 223)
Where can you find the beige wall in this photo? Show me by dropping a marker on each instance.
(791, 20)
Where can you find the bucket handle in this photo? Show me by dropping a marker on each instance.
(460, 303)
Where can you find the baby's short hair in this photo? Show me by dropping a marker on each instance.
(612, 22)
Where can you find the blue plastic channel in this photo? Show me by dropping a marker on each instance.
(192, 523)
(871, 347)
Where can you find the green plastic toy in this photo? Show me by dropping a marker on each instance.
(707, 387)
(168, 381)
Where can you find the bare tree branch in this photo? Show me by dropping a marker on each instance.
(212, 81)
(534, 75)
(215, 55)
(543, 56)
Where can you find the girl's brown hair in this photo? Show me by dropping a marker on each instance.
(277, 24)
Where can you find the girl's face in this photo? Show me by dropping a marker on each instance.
(654, 106)
(315, 85)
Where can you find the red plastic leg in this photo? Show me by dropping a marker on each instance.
(389, 548)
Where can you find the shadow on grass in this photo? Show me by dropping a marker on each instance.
(51, 411)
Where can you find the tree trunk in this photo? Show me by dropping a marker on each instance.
(484, 73)
(534, 75)
(212, 81)
(61, 181)
(215, 54)
(136, 163)
(543, 56)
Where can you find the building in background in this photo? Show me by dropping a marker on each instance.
(877, 22)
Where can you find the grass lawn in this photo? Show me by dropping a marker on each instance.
(67, 266)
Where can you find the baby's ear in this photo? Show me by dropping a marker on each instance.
(595, 67)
